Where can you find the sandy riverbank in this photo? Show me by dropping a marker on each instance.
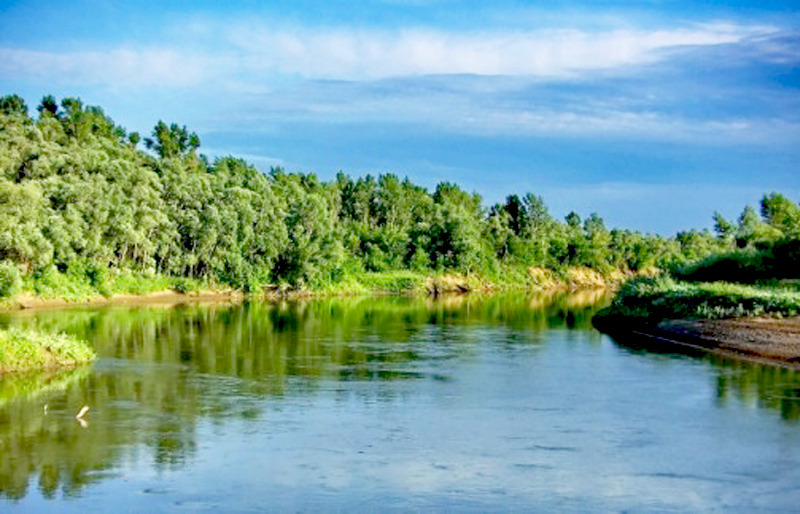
(168, 297)
(765, 340)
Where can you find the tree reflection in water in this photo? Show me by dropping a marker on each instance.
(163, 370)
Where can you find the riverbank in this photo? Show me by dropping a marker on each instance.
(166, 297)
(755, 323)
(407, 283)
(763, 340)
(26, 350)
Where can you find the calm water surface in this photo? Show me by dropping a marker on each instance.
(392, 404)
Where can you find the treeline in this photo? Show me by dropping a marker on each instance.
(80, 195)
(762, 249)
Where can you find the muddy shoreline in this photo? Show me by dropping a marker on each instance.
(764, 340)
(167, 297)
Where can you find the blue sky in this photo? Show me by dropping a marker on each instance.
(652, 113)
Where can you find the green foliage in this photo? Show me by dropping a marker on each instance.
(393, 282)
(172, 141)
(49, 283)
(13, 105)
(781, 214)
(22, 350)
(127, 282)
(10, 279)
(664, 298)
(186, 285)
(758, 249)
(769, 261)
(83, 211)
(746, 267)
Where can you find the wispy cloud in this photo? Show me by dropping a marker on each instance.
(485, 83)
(258, 51)
(517, 107)
(349, 54)
(116, 67)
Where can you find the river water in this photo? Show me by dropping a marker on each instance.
(391, 404)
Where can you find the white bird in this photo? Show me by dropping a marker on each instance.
(82, 412)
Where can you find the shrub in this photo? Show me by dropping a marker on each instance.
(785, 258)
(661, 298)
(26, 350)
(50, 283)
(746, 267)
(185, 285)
(10, 279)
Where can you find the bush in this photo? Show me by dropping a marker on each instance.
(22, 350)
(10, 279)
(186, 285)
(769, 261)
(661, 298)
(742, 267)
(98, 277)
(394, 281)
(785, 258)
(135, 283)
(50, 283)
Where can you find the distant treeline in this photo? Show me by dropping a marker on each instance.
(79, 194)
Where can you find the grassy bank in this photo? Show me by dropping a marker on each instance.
(55, 288)
(25, 350)
(648, 300)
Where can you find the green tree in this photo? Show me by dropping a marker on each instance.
(172, 141)
(13, 105)
(752, 230)
(725, 229)
(781, 213)
(48, 106)
(21, 222)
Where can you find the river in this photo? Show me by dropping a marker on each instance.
(505, 403)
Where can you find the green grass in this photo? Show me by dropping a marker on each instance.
(49, 283)
(26, 350)
(83, 283)
(132, 283)
(653, 300)
(80, 285)
(392, 281)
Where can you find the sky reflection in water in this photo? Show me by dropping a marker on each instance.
(467, 403)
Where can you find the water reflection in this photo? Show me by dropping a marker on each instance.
(737, 382)
(259, 340)
(165, 371)
(757, 386)
(182, 352)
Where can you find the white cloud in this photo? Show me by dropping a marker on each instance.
(407, 76)
(117, 67)
(494, 107)
(349, 54)
(257, 53)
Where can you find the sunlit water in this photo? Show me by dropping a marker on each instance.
(391, 404)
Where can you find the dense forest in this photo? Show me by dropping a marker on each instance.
(81, 199)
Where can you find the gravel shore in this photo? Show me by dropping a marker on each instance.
(770, 341)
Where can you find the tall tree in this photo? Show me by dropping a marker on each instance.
(13, 104)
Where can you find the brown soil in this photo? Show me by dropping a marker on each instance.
(168, 297)
(773, 341)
